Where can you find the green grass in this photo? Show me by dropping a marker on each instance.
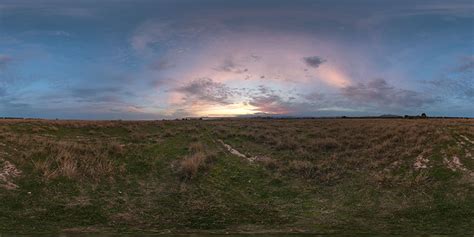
(146, 194)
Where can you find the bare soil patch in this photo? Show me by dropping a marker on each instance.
(8, 172)
(467, 139)
(421, 162)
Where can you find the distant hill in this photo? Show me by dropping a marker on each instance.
(390, 116)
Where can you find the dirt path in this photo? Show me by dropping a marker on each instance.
(421, 162)
(236, 152)
(454, 164)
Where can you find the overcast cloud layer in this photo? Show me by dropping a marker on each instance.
(142, 59)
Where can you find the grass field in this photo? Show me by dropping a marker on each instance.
(374, 176)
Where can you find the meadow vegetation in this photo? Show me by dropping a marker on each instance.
(376, 176)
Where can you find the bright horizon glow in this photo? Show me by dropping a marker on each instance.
(231, 110)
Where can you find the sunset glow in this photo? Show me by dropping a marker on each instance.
(164, 59)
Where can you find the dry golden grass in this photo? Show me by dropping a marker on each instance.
(198, 160)
(52, 158)
(348, 175)
(267, 162)
(326, 150)
(191, 164)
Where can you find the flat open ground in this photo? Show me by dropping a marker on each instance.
(375, 176)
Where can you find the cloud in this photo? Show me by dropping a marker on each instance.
(45, 8)
(466, 65)
(314, 61)
(9, 101)
(172, 34)
(291, 103)
(5, 60)
(54, 33)
(269, 101)
(11, 104)
(228, 65)
(313, 96)
(333, 76)
(271, 104)
(148, 33)
(459, 82)
(159, 65)
(205, 90)
(98, 95)
(378, 92)
(260, 57)
(294, 50)
(449, 8)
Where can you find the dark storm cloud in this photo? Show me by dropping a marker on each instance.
(205, 89)
(379, 92)
(314, 61)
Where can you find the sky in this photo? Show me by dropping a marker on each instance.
(164, 59)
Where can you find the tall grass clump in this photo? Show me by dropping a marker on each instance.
(51, 158)
(197, 161)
